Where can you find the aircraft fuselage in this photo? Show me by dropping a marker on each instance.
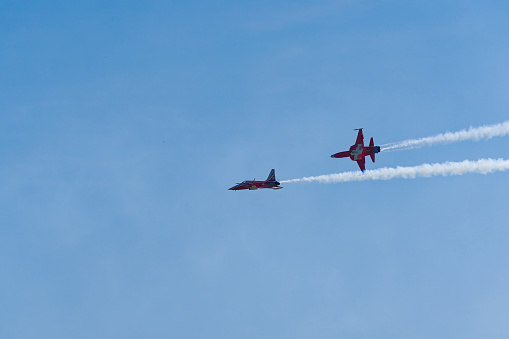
(358, 152)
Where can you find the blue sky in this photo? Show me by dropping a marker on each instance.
(123, 124)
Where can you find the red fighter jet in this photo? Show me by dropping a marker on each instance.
(254, 185)
(358, 152)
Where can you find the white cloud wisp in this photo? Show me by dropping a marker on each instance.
(483, 166)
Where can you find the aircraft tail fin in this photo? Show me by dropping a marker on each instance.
(272, 176)
(372, 144)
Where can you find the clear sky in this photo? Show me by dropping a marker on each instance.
(123, 124)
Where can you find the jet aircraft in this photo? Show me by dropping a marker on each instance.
(254, 185)
(358, 151)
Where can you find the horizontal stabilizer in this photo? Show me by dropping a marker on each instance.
(371, 144)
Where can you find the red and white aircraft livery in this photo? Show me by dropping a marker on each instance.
(358, 152)
(254, 185)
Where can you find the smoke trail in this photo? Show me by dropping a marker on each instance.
(483, 166)
(477, 133)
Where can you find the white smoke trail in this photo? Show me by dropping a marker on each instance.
(483, 166)
(477, 133)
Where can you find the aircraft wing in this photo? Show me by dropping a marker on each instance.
(360, 138)
(361, 162)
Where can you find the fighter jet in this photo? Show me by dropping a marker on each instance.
(358, 151)
(254, 185)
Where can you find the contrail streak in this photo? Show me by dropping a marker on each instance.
(477, 133)
(482, 166)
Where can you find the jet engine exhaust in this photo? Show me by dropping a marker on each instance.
(473, 133)
(482, 166)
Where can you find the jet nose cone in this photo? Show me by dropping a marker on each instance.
(332, 156)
